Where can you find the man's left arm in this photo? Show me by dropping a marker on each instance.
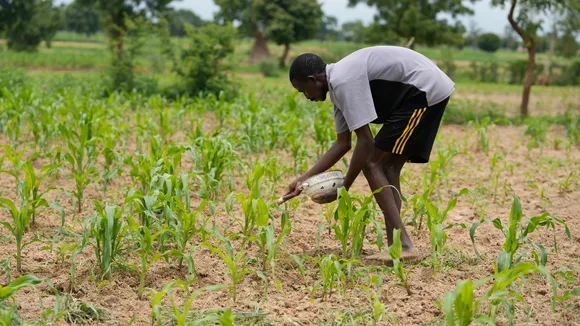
(364, 147)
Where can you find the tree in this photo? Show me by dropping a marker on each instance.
(80, 18)
(567, 44)
(473, 33)
(26, 23)
(509, 39)
(289, 21)
(328, 28)
(354, 31)
(244, 12)
(488, 42)
(419, 19)
(527, 29)
(569, 26)
(178, 19)
(115, 12)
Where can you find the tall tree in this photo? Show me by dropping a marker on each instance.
(244, 12)
(419, 19)
(80, 18)
(289, 21)
(473, 32)
(178, 18)
(26, 23)
(525, 26)
(509, 38)
(354, 31)
(114, 13)
(328, 28)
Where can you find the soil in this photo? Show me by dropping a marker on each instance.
(531, 173)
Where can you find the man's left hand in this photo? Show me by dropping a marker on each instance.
(325, 198)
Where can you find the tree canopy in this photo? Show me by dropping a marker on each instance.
(26, 23)
(81, 18)
(418, 19)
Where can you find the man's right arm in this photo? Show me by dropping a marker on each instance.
(340, 147)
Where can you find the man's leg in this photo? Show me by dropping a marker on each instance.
(392, 165)
(376, 178)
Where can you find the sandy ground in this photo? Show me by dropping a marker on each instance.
(529, 173)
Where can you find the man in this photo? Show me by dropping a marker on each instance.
(389, 85)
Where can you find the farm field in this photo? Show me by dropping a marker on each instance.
(140, 210)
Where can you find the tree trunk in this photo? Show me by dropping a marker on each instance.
(529, 43)
(284, 55)
(260, 48)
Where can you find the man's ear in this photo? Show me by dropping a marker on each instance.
(311, 78)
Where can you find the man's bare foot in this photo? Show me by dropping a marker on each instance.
(385, 258)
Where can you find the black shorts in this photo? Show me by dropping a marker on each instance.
(411, 131)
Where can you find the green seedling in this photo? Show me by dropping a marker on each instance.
(81, 155)
(181, 316)
(516, 236)
(145, 250)
(236, 264)
(213, 156)
(435, 222)
(462, 307)
(20, 221)
(334, 272)
(395, 252)
(481, 129)
(108, 229)
(8, 311)
(351, 222)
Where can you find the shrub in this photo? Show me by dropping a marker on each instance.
(448, 65)
(570, 75)
(201, 62)
(269, 68)
(488, 42)
(516, 71)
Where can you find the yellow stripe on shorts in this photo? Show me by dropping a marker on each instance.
(405, 131)
(408, 134)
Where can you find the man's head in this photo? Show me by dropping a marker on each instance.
(308, 76)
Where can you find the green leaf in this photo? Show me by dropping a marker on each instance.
(17, 284)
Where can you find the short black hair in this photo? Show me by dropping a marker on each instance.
(305, 65)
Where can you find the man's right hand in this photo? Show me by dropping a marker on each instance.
(293, 190)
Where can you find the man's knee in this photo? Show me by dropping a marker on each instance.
(370, 167)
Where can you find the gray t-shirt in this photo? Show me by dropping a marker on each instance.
(350, 82)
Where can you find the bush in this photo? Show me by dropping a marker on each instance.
(201, 62)
(269, 68)
(488, 42)
(448, 65)
(570, 75)
(517, 71)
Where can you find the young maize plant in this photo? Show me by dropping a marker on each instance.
(323, 134)
(29, 188)
(334, 272)
(108, 229)
(213, 156)
(395, 252)
(461, 307)
(20, 222)
(435, 220)
(81, 155)
(182, 316)
(481, 129)
(351, 222)
(270, 243)
(145, 250)
(8, 311)
(236, 264)
(516, 236)
(255, 208)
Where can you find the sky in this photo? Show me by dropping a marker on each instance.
(488, 18)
